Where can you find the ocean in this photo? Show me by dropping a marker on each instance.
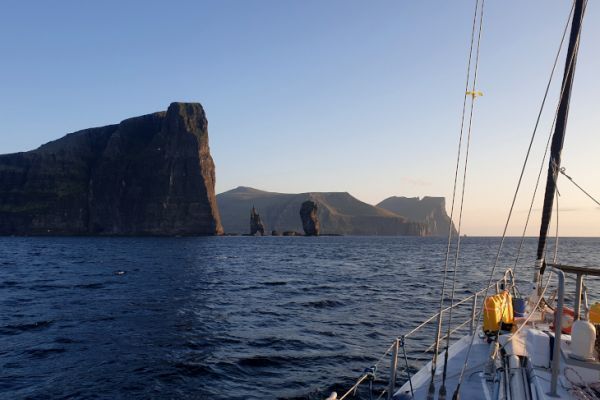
(227, 317)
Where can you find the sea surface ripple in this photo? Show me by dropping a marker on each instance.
(224, 317)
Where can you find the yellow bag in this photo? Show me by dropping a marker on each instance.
(496, 309)
(595, 313)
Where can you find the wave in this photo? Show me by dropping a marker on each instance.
(324, 304)
(43, 353)
(19, 328)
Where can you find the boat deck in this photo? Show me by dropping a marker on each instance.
(478, 385)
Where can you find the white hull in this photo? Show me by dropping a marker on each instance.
(527, 382)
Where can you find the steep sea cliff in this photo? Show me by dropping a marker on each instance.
(148, 175)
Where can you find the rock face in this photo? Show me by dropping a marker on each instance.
(430, 211)
(256, 225)
(338, 213)
(148, 175)
(310, 221)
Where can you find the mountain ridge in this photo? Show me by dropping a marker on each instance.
(338, 213)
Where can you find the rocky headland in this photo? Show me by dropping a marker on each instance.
(338, 213)
(148, 175)
(431, 211)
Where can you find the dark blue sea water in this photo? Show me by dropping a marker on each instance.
(221, 317)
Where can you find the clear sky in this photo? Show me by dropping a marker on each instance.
(316, 95)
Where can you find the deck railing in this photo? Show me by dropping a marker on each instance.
(580, 273)
(399, 344)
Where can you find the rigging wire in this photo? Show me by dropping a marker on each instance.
(520, 180)
(558, 136)
(442, 393)
(461, 377)
(562, 171)
(431, 391)
(562, 40)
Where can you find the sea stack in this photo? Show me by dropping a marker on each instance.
(310, 221)
(256, 225)
(148, 175)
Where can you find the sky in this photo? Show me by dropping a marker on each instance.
(319, 95)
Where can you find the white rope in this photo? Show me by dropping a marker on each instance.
(570, 65)
(428, 320)
(453, 331)
(360, 380)
(363, 377)
(385, 354)
(581, 390)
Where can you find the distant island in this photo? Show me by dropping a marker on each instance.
(154, 175)
(338, 213)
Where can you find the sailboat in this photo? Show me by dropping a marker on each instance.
(529, 347)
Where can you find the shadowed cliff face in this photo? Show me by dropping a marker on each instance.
(430, 211)
(149, 175)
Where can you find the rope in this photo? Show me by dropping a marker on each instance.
(360, 380)
(422, 324)
(366, 375)
(543, 160)
(560, 46)
(453, 331)
(460, 138)
(384, 391)
(570, 65)
(562, 171)
(412, 332)
(384, 355)
(581, 390)
(559, 134)
(530, 314)
(541, 296)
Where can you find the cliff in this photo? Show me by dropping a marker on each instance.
(338, 213)
(148, 175)
(430, 211)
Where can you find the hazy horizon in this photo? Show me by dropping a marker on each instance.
(338, 96)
